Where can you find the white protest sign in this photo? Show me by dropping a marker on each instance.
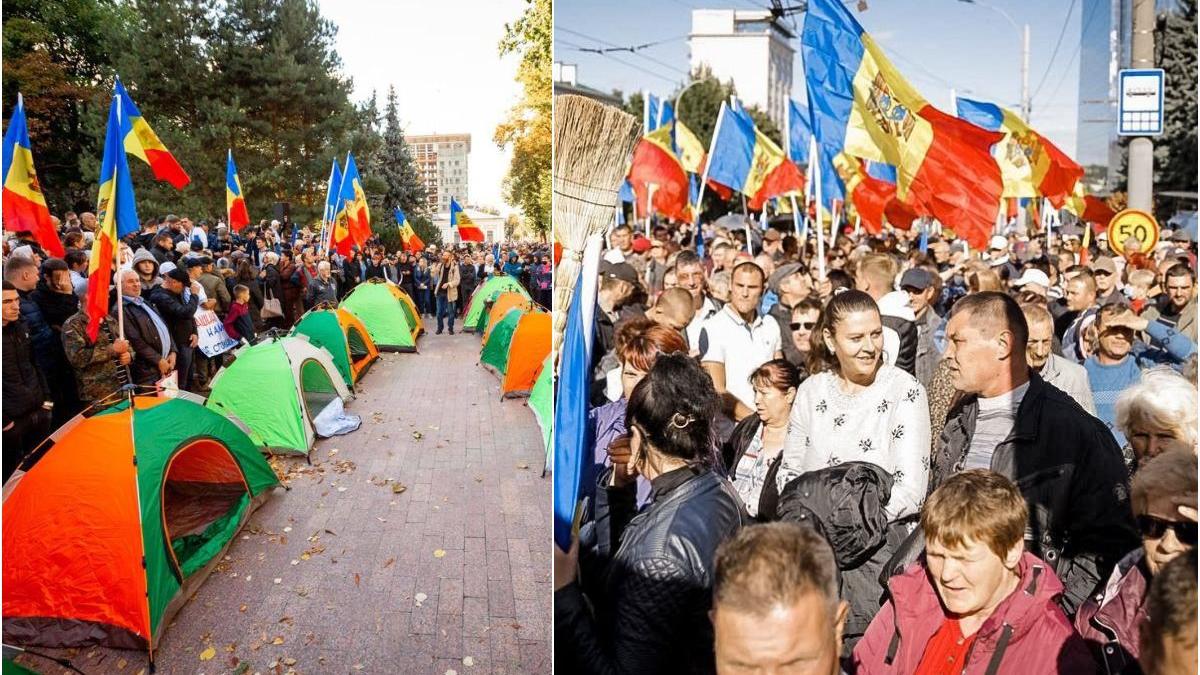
(213, 338)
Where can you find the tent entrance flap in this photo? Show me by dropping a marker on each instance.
(358, 346)
(316, 387)
(204, 496)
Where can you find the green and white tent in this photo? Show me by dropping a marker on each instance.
(541, 401)
(486, 293)
(344, 336)
(276, 388)
(385, 316)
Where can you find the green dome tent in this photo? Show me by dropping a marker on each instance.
(486, 293)
(276, 388)
(343, 336)
(385, 316)
(495, 350)
(541, 400)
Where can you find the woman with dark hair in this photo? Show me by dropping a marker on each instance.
(849, 378)
(753, 451)
(650, 613)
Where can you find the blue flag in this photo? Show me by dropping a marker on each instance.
(571, 451)
(799, 132)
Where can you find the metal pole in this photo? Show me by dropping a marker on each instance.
(1141, 149)
(1025, 104)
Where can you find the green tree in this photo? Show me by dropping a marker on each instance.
(393, 164)
(1175, 150)
(527, 127)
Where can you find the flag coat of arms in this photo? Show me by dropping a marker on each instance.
(116, 216)
(25, 208)
(467, 230)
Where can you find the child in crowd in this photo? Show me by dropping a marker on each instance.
(238, 324)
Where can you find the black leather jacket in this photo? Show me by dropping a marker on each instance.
(651, 609)
(1069, 468)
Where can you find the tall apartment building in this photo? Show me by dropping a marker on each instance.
(442, 161)
(746, 46)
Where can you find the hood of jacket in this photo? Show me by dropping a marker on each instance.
(896, 304)
(145, 254)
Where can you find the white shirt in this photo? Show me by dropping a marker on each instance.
(706, 311)
(750, 474)
(886, 424)
(741, 347)
(614, 256)
(993, 424)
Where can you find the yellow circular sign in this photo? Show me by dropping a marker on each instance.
(1135, 224)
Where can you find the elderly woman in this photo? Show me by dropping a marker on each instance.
(1164, 503)
(753, 450)
(1158, 411)
(649, 612)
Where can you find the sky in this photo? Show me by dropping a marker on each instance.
(444, 61)
(937, 44)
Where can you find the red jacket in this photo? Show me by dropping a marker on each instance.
(1028, 633)
(1110, 621)
(236, 326)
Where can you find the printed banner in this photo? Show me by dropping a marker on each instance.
(213, 338)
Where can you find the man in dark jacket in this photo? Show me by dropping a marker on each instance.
(176, 302)
(26, 420)
(164, 247)
(1064, 461)
(149, 338)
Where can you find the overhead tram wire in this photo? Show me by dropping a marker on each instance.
(635, 50)
(1087, 21)
(634, 66)
(1054, 54)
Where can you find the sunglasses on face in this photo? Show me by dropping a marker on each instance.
(1154, 528)
(806, 325)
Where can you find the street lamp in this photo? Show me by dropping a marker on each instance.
(1023, 31)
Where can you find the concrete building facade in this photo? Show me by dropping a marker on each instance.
(442, 161)
(746, 46)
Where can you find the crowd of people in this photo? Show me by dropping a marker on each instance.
(258, 280)
(906, 457)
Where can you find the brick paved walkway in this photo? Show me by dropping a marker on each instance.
(392, 553)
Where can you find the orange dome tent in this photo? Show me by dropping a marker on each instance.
(526, 353)
(503, 303)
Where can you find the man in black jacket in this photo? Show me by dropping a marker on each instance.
(26, 419)
(176, 302)
(149, 338)
(1064, 461)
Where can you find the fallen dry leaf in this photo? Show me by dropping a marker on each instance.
(389, 563)
(417, 435)
(357, 579)
(243, 608)
(397, 488)
(278, 640)
(121, 663)
(439, 553)
(208, 654)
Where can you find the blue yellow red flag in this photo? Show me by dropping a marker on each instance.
(862, 106)
(235, 201)
(408, 236)
(655, 163)
(467, 230)
(650, 112)
(745, 159)
(116, 216)
(141, 142)
(1030, 164)
(25, 208)
(357, 216)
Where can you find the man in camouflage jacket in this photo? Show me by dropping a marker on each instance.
(96, 363)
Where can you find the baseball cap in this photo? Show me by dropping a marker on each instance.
(1032, 275)
(196, 261)
(641, 245)
(772, 234)
(179, 275)
(998, 241)
(783, 272)
(166, 267)
(1104, 264)
(621, 271)
(918, 278)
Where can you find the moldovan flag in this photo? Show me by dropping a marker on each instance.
(354, 201)
(654, 162)
(1030, 164)
(745, 159)
(798, 132)
(466, 229)
(408, 236)
(25, 207)
(872, 189)
(862, 106)
(143, 143)
(116, 215)
(235, 202)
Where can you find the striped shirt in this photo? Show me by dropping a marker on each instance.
(995, 421)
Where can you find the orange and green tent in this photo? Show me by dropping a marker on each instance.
(343, 335)
(516, 348)
(488, 292)
(121, 520)
(504, 302)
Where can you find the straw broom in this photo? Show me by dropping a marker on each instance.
(592, 145)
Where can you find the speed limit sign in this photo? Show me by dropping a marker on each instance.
(1132, 223)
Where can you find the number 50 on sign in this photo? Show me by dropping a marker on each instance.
(1133, 224)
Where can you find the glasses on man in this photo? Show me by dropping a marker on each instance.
(1154, 528)
(806, 325)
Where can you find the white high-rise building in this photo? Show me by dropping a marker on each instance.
(746, 46)
(442, 162)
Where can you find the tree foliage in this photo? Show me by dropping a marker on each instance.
(527, 128)
(258, 76)
(1175, 150)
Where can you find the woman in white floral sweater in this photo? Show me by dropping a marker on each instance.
(855, 407)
